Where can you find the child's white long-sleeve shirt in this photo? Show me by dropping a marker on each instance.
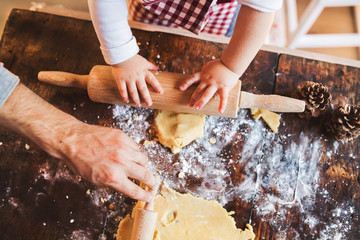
(110, 20)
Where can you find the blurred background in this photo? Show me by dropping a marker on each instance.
(293, 22)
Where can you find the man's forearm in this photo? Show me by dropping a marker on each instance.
(250, 32)
(28, 114)
(102, 155)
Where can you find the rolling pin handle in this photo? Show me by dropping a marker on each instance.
(274, 103)
(64, 79)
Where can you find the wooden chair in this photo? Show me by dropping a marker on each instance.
(297, 30)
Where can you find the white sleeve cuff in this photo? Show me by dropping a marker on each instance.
(122, 53)
(111, 25)
(262, 5)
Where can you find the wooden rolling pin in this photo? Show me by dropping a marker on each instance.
(145, 219)
(101, 87)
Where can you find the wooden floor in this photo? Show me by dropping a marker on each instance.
(332, 20)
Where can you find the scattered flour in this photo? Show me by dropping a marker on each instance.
(284, 179)
(235, 166)
(80, 235)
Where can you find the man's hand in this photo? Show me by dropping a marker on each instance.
(214, 78)
(131, 77)
(101, 155)
(107, 156)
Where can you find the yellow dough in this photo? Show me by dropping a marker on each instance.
(272, 119)
(176, 130)
(186, 217)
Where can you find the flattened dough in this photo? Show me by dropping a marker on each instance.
(184, 216)
(272, 119)
(176, 130)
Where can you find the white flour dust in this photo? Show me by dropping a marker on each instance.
(98, 195)
(341, 223)
(276, 172)
(236, 159)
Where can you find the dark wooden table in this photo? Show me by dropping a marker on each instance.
(296, 184)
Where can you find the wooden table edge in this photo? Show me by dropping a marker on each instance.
(208, 37)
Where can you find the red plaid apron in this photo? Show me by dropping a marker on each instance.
(195, 15)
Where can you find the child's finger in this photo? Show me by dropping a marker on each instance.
(197, 94)
(123, 91)
(153, 67)
(190, 81)
(151, 79)
(205, 98)
(134, 93)
(224, 94)
(144, 91)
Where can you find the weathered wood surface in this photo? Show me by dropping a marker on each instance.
(296, 184)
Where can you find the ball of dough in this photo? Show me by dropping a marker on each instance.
(176, 130)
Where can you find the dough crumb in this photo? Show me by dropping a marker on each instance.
(272, 119)
(181, 175)
(148, 143)
(212, 140)
(112, 206)
(136, 117)
(27, 147)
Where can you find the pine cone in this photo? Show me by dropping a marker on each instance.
(344, 123)
(316, 96)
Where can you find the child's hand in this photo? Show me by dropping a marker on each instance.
(131, 77)
(214, 77)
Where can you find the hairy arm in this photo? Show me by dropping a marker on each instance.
(104, 156)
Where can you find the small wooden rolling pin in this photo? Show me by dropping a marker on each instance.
(145, 219)
(101, 87)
